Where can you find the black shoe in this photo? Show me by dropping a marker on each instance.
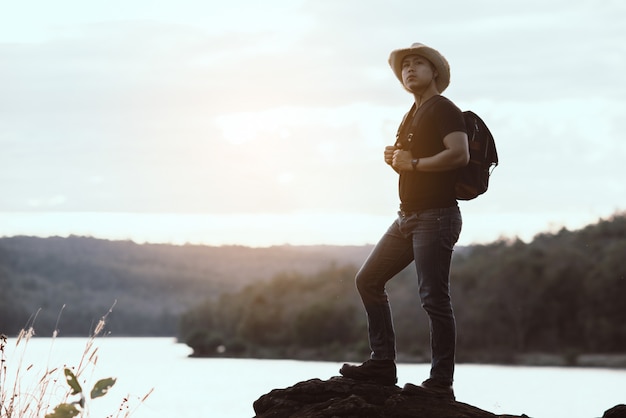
(430, 387)
(382, 372)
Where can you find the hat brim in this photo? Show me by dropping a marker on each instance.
(439, 61)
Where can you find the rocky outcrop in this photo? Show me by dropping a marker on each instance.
(345, 398)
(618, 411)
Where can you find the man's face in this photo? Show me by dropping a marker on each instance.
(417, 72)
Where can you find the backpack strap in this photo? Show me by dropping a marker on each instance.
(403, 126)
(401, 142)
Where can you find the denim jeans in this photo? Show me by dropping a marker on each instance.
(426, 237)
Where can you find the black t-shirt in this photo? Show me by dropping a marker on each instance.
(421, 190)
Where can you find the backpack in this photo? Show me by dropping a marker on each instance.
(473, 179)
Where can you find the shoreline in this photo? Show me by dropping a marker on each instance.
(604, 361)
(538, 359)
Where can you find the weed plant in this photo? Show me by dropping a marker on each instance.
(27, 391)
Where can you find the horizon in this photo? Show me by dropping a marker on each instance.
(173, 226)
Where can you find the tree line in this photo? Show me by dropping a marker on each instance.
(561, 293)
(68, 284)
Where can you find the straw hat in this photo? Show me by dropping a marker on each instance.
(432, 55)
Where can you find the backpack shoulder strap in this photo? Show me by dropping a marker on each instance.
(403, 126)
(417, 116)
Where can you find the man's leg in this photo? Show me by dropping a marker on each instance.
(392, 254)
(434, 237)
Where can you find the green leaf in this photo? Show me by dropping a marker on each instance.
(64, 410)
(102, 387)
(73, 382)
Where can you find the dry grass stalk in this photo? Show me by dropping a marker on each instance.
(24, 396)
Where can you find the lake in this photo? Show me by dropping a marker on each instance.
(197, 388)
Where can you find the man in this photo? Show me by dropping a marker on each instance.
(427, 227)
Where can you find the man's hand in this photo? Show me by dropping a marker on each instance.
(389, 153)
(402, 160)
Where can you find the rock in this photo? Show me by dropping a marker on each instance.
(618, 411)
(339, 397)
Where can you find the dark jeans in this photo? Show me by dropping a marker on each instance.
(426, 237)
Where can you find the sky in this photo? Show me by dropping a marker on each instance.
(264, 123)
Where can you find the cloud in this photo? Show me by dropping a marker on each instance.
(284, 106)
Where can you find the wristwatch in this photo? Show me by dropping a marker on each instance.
(414, 162)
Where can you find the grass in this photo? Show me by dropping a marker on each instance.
(29, 390)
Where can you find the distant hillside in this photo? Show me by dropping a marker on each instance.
(561, 294)
(152, 283)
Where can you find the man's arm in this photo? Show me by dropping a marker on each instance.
(455, 155)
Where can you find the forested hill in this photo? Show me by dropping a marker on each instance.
(560, 295)
(152, 283)
(562, 291)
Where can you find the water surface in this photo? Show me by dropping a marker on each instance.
(186, 387)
